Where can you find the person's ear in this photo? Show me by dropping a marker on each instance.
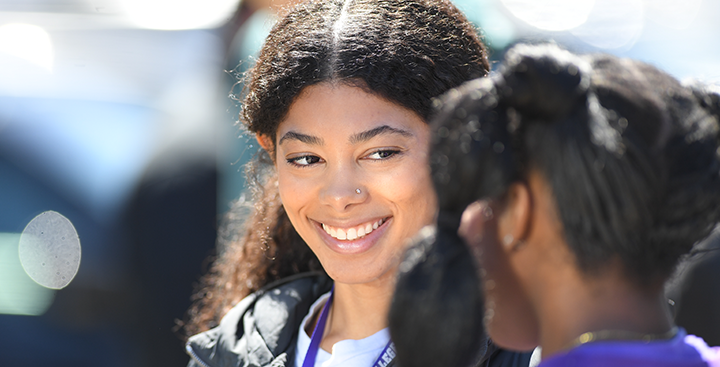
(514, 220)
(266, 143)
(474, 221)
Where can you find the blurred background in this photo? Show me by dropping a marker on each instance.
(116, 114)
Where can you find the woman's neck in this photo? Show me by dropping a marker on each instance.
(357, 311)
(610, 305)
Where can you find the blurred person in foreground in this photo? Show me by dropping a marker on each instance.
(578, 182)
(339, 101)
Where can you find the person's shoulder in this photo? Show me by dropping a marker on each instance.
(711, 355)
(682, 350)
(261, 327)
(215, 347)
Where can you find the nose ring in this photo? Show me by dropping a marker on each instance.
(357, 191)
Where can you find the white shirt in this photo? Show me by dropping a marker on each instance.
(345, 353)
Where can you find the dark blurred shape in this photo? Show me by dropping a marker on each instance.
(695, 291)
(171, 228)
(438, 266)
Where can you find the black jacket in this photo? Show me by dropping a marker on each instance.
(262, 329)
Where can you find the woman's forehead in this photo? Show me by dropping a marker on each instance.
(328, 109)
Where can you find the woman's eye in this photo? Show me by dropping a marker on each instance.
(382, 154)
(305, 160)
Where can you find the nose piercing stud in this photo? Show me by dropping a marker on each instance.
(357, 191)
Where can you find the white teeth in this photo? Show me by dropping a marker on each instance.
(352, 233)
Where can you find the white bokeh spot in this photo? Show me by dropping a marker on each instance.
(551, 15)
(179, 14)
(28, 42)
(49, 250)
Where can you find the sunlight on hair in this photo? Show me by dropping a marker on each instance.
(340, 22)
(551, 15)
(498, 29)
(179, 14)
(28, 42)
(19, 295)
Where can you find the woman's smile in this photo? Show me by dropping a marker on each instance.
(353, 232)
(355, 239)
(354, 178)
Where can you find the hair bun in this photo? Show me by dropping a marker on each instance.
(543, 82)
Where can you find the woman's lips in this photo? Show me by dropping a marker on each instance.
(370, 231)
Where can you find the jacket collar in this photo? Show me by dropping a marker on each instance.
(261, 330)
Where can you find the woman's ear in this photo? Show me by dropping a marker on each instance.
(514, 220)
(266, 143)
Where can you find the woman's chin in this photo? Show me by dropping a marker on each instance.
(361, 273)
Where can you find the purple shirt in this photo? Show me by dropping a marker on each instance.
(681, 351)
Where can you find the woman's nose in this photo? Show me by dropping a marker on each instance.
(341, 189)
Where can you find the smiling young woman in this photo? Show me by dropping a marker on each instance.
(339, 100)
(337, 140)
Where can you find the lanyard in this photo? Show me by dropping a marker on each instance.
(383, 360)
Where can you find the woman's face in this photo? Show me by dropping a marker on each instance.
(354, 179)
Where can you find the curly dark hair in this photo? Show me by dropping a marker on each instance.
(405, 51)
(630, 154)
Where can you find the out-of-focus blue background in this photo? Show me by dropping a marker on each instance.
(116, 114)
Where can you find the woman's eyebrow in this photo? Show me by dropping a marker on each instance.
(307, 139)
(384, 129)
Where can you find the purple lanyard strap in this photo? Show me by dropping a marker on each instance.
(387, 355)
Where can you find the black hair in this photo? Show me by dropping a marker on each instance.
(631, 157)
(630, 154)
(404, 51)
(436, 315)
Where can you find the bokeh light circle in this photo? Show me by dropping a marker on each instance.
(179, 14)
(551, 15)
(27, 42)
(613, 24)
(49, 250)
